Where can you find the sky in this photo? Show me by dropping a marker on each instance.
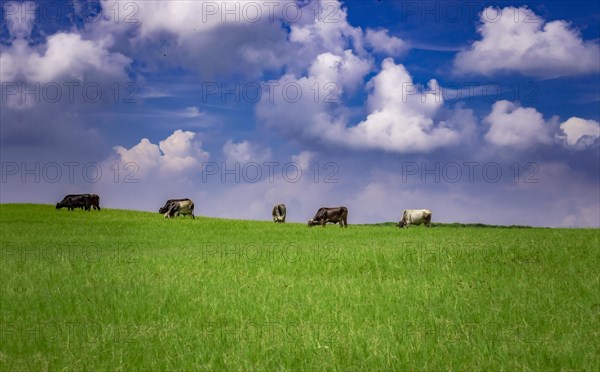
(483, 112)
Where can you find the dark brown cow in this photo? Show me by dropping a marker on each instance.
(83, 201)
(333, 215)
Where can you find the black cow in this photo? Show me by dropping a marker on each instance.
(176, 207)
(279, 213)
(333, 215)
(84, 201)
(94, 201)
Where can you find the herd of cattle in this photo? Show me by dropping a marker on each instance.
(185, 207)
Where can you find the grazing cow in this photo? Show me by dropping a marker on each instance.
(180, 207)
(167, 205)
(279, 213)
(84, 201)
(333, 215)
(415, 217)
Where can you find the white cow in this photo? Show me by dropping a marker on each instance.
(415, 217)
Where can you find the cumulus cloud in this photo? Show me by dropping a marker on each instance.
(43, 79)
(517, 127)
(521, 128)
(68, 56)
(175, 155)
(304, 159)
(346, 71)
(381, 42)
(245, 37)
(245, 152)
(19, 18)
(516, 39)
(403, 117)
(59, 58)
(333, 34)
(306, 114)
(580, 133)
(63, 55)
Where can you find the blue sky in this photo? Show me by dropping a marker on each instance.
(480, 111)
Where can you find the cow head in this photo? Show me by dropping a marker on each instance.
(401, 224)
(58, 206)
(312, 222)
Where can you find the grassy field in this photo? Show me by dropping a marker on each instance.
(130, 290)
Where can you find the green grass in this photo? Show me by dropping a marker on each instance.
(130, 290)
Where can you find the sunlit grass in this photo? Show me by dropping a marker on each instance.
(131, 290)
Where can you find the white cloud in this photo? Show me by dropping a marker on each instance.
(517, 127)
(145, 154)
(330, 32)
(304, 159)
(174, 155)
(381, 42)
(195, 17)
(63, 55)
(244, 36)
(68, 56)
(49, 74)
(20, 18)
(580, 133)
(515, 39)
(345, 71)
(403, 117)
(245, 152)
(191, 112)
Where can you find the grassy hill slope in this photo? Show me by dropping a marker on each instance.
(131, 290)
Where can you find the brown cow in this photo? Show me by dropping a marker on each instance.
(333, 215)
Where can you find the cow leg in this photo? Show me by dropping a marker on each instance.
(428, 221)
(171, 212)
(323, 222)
